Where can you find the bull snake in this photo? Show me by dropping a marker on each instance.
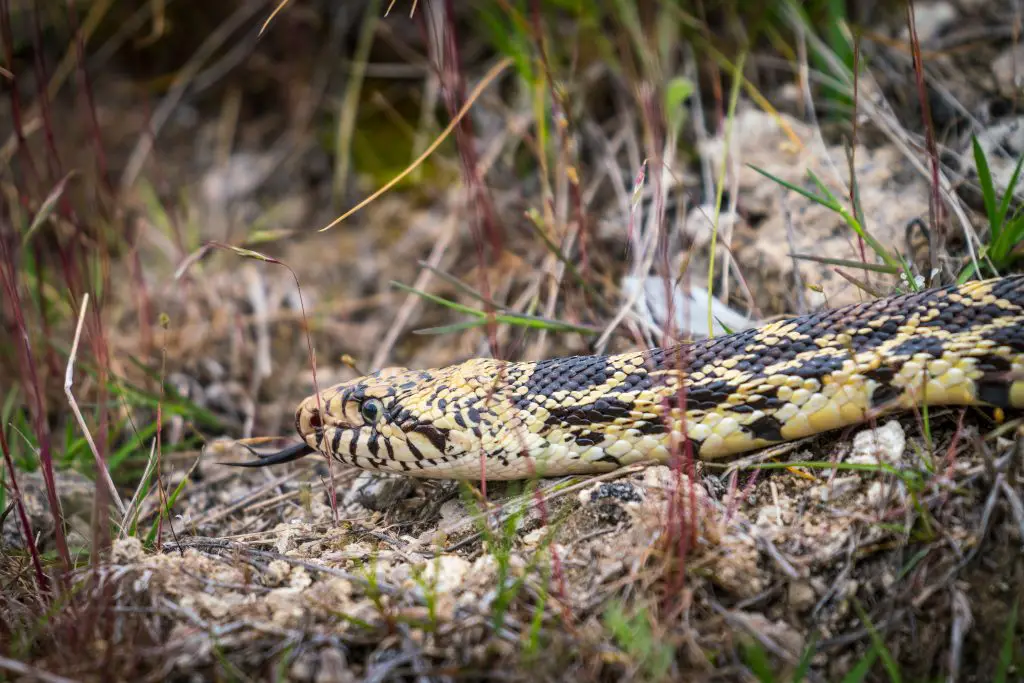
(959, 345)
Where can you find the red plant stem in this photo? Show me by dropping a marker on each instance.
(44, 311)
(934, 205)
(26, 526)
(454, 88)
(53, 157)
(90, 106)
(35, 391)
(19, 129)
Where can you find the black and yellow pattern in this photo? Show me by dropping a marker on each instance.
(957, 345)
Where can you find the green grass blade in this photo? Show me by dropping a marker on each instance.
(825, 465)
(912, 562)
(439, 300)
(863, 668)
(873, 267)
(823, 201)
(534, 222)
(988, 190)
(854, 224)
(1011, 187)
(151, 536)
(804, 665)
(887, 660)
(756, 659)
(458, 284)
(147, 432)
(1006, 652)
(1010, 235)
(448, 329)
(538, 323)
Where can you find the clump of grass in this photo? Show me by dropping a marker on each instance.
(63, 237)
(631, 629)
(1005, 228)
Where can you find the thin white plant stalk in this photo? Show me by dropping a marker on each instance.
(68, 377)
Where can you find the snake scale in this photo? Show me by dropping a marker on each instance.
(959, 345)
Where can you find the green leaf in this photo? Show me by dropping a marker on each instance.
(535, 222)
(827, 201)
(887, 661)
(517, 319)
(988, 191)
(1006, 652)
(134, 445)
(1011, 187)
(826, 465)
(756, 660)
(861, 231)
(873, 267)
(538, 323)
(804, 665)
(151, 536)
(269, 235)
(863, 668)
(678, 90)
(456, 327)
(249, 253)
(912, 562)
(439, 300)
(1010, 235)
(457, 283)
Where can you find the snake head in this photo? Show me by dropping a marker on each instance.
(392, 420)
(355, 421)
(361, 409)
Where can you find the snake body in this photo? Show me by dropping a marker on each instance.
(960, 345)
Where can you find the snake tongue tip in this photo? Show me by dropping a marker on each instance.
(288, 454)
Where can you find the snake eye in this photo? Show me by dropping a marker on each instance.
(371, 410)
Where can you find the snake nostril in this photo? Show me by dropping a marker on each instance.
(314, 420)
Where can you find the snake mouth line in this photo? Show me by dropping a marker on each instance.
(287, 454)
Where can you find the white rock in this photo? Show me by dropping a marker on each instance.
(878, 492)
(446, 573)
(689, 311)
(886, 444)
(1008, 70)
(533, 538)
(930, 19)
